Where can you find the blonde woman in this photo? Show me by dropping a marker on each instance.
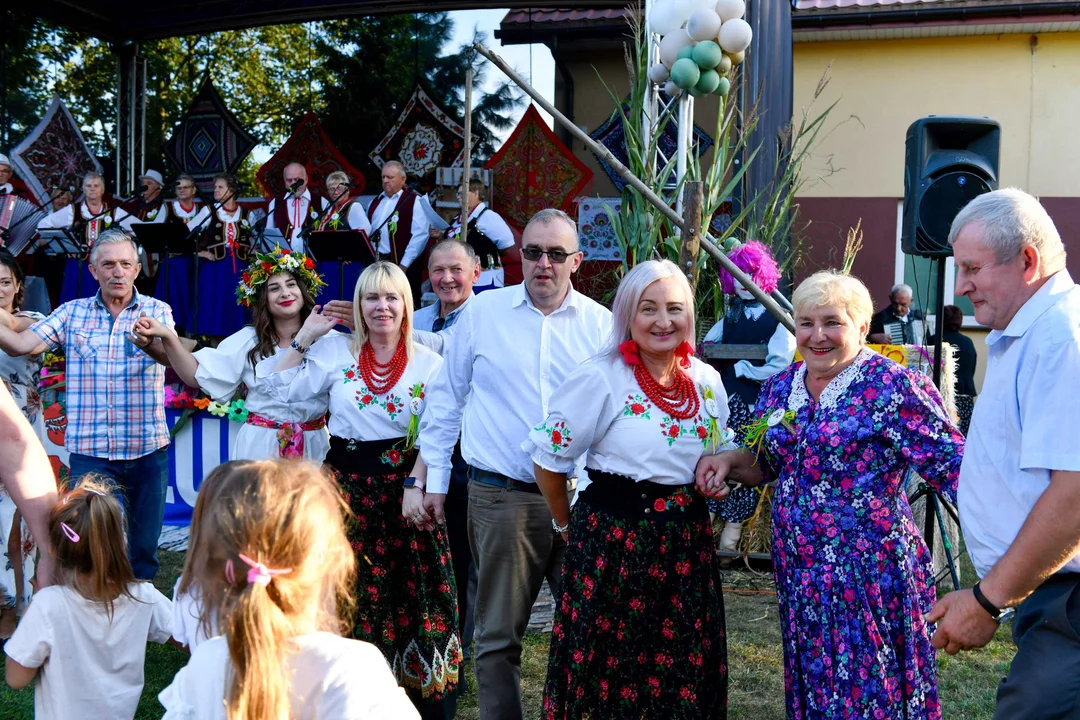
(377, 381)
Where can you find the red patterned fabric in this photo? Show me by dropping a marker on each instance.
(54, 154)
(422, 139)
(310, 146)
(533, 170)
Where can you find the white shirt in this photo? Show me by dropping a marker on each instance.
(223, 215)
(512, 357)
(65, 216)
(1026, 422)
(602, 411)
(781, 348)
(355, 412)
(188, 216)
(220, 373)
(419, 230)
(492, 225)
(299, 210)
(333, 678)
(91, 668)
(186, 625)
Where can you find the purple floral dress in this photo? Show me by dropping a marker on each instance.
(853, 575)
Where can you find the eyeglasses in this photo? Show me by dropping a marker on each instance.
(532, 254)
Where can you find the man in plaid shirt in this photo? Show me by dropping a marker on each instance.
(115, 389)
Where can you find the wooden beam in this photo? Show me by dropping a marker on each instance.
(717, 351)
(690, 245)
(467, 170)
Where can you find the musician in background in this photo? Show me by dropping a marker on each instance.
(9, 184)
(149, 206)
(899, 323)
(62, 200)
(297, 209)
(347, 213)
(184, 208)
(401, 228)
(224, 249)
(489, 236)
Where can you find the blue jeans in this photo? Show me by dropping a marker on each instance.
(143, 482)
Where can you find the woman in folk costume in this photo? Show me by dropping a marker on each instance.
(376, 381)
(838, 433)
(185, 207)
(85, 220)
(279, 288)
(224, 246)
(747, 322)
(20, 375)
(639, 629)
(347, 213)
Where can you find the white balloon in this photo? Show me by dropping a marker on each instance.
(659, 73)
(672, 44)
(735, 36)
(730, 9)
(703, 25)
(671, 89)
(663, 19)
(683, 9)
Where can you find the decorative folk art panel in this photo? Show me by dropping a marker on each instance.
(312, 147)
(54, 154)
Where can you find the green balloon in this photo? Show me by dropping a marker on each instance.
(685, 73)
(723, 87)
(707, 55)
(694, 92)
(686, 52)
(708, 81)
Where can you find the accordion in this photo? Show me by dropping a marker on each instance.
(18, 222)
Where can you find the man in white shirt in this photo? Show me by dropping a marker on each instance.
(297, 209)
(1020, 480)
(400, 227)
(509, 350)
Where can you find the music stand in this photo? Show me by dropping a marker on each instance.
(61, 242)
(341, 246)
(163, 239)
(265, 241)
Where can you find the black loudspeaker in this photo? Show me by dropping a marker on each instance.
(949, 161)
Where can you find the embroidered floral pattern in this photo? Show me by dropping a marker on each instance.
(365, 398)
(671, 429)
(637, 405)
(392, 405)
(351, 373)
(558, 435)
(392, 457)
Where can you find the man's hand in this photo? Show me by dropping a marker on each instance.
(341, 311)
(433, 503)
(963, 624)
(139, 335)
(434, 233)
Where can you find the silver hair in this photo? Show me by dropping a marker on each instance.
(454, 244)
(548, 216)
(93, 175)
(629, 294)
(184, 176)
(337, 176)
(396, 164)
(1011, 220)
(111, 236)
(902, 289)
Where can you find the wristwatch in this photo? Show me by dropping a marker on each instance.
(411, 482)
(995, 612)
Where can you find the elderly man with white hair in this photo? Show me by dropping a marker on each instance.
(296, 210)
(400, 232)
(1020, 480)
(115, 388)
(899, 323)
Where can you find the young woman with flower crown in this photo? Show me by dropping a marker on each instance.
(376, 382)
(639, 629)
(279, 288)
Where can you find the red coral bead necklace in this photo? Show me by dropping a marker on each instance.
(381, 378)
(679, 400)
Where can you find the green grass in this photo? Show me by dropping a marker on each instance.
(968, 682)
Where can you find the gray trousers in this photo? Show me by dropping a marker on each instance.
(1044, 680)
(514, 548)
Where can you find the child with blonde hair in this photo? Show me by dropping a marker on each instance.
(277, 572)
(83, 640)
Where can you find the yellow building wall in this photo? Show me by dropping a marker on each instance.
(882, 86)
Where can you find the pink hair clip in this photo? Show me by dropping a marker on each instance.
(260, 574)
(69, 533)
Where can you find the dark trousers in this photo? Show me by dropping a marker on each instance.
(457, 532)
(1044, 680)
(142, 483)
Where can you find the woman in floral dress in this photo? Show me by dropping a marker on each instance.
(853, 575)
(21, 375)
(376, 381)
(639, 629)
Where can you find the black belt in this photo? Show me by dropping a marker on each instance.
(366, 458)
(642, 500)
(494, 479)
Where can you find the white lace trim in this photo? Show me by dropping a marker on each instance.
(798, 395)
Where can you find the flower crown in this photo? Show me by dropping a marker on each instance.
(278, 261)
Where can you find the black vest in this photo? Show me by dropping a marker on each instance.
(745, 331)
(486, 249)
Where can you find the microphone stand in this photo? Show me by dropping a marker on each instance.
(322, 214)
(193, 235)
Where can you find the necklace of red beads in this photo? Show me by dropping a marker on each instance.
(381, 378)
(680, 399)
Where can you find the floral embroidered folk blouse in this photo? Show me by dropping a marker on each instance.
(853, 575)
(601, 409)
(355, 412)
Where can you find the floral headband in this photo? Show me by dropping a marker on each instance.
(279, 261)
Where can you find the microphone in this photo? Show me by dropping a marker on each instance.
(143, 188)
(295, 186)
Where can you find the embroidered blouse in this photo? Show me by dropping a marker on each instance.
(355, 412)
(601, 410)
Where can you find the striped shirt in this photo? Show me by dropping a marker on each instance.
(115, 391)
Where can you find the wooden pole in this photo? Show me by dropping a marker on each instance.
(467, 170)
(690, 247)
(622, 171)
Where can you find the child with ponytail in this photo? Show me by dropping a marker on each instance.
(277, 573)
(84, 639)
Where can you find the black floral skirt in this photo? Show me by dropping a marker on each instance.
(741, 503)
(406, 597)
(639, 628)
